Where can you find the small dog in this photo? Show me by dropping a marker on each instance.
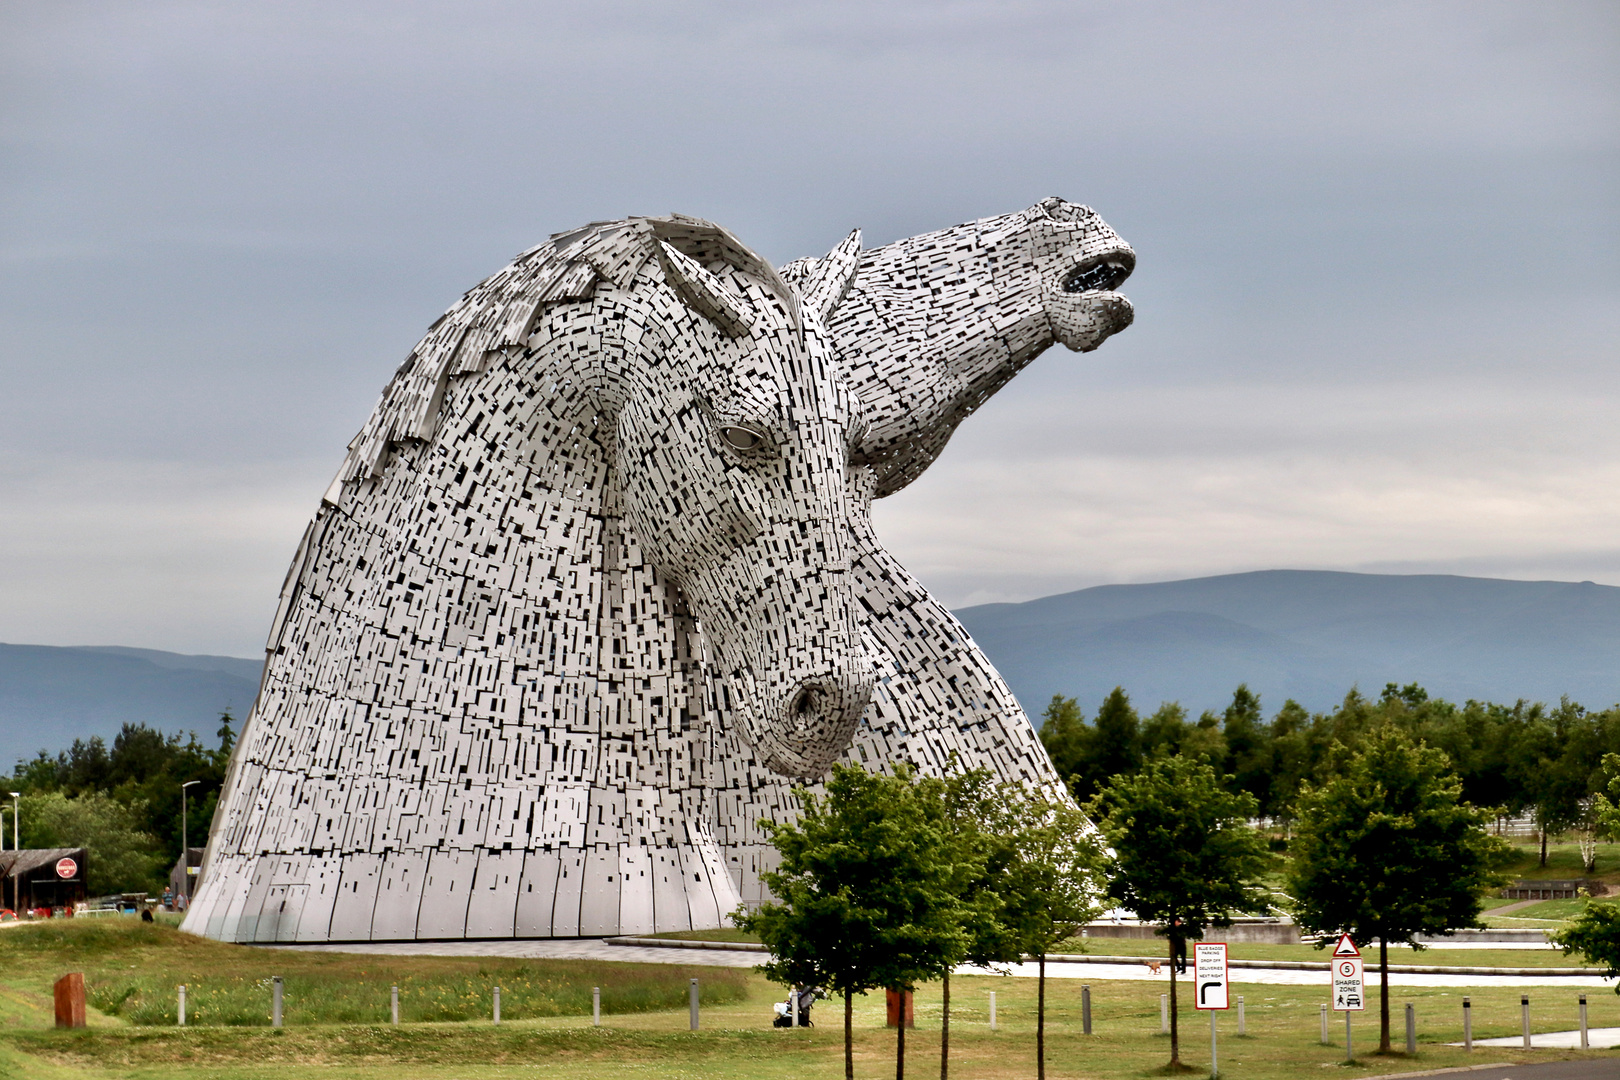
(1154, 965)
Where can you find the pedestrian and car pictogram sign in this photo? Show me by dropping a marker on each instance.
(1209, 974)
(1349, 985)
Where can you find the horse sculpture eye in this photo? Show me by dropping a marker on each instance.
(740, 438)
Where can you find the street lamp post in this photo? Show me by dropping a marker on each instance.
(185, 843)
(16, 844)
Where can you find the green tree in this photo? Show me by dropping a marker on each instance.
(1387, 849)
(982, 819)
(1184, 855)
(1249, 747)
(1116, 745)
(1066, 737)
(119, 856)
(1595, 934)
(1050, 882)
(867, 891)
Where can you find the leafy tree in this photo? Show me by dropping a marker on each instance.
(1249, 747)
(867, 891)
(1595, 934)
(143, 771)
(1162, 732)
(1116, 743)
(1388, 849)
(1066, 737)
(981, 817)
(1185, 857)
(1050, 881)
(119, 856)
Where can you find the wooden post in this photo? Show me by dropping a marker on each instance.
(70, 1000)
(892, 998)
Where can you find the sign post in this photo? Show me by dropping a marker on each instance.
(1349, 985)
(1210, 979)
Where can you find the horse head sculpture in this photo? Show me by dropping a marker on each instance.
(597, 582)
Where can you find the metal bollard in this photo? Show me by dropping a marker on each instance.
(393, 1004)
(1164, 1014)
(1583, 1022)
(596, 1006)
(1524, 1018)
(1324, 1026)
(497, 1006)
(1468, 1025)
(1085, 1009)
(275, 1002)
(1243, 1026)
(993, 1009)
(183, 1005)
(1411, 1031)
(693, 994)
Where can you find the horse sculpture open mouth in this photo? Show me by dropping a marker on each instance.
(597, 586)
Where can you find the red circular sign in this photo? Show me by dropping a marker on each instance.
(1347, 969)
(66, 868)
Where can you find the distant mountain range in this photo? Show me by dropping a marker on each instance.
(50, 696)
(1310, 636)
(1306, 635)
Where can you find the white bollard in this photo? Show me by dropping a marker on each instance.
(793, 1007)
(1164, 1014)
(1468, 1025)
(393, 1005)
(1524, 1018)
(596, 1006)
(1583, 1022)
(1324, 1026)
(497, 1006)
(993, 1009)
(1243, 1026)
(693, 996)
(183, 1005)
(275, 1002)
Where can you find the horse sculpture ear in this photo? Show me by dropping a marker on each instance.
(703, 292)
(831, 276)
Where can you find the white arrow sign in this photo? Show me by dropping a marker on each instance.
(1209, 974)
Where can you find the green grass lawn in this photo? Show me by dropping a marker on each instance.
(736, 1040)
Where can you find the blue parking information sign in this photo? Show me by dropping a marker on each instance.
(1209, 974)
(1349, 986)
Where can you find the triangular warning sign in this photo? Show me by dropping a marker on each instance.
(1346, 947)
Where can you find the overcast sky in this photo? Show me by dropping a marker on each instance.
(1378, 289)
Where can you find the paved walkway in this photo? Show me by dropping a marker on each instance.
(1597, 1038)
(599, 949)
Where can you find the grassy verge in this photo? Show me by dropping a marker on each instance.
(132, 970)
(736, 1040)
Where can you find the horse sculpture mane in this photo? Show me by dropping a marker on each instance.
(596, 583)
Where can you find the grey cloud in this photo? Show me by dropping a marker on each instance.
(1379, 242)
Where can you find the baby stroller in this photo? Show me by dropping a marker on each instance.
(784, 1009)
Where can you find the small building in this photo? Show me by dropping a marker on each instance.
(183, 876)
(1550, 889)
(50, 878)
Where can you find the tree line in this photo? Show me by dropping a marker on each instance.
(889, 880)
(122, 803)
(1517, 759)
